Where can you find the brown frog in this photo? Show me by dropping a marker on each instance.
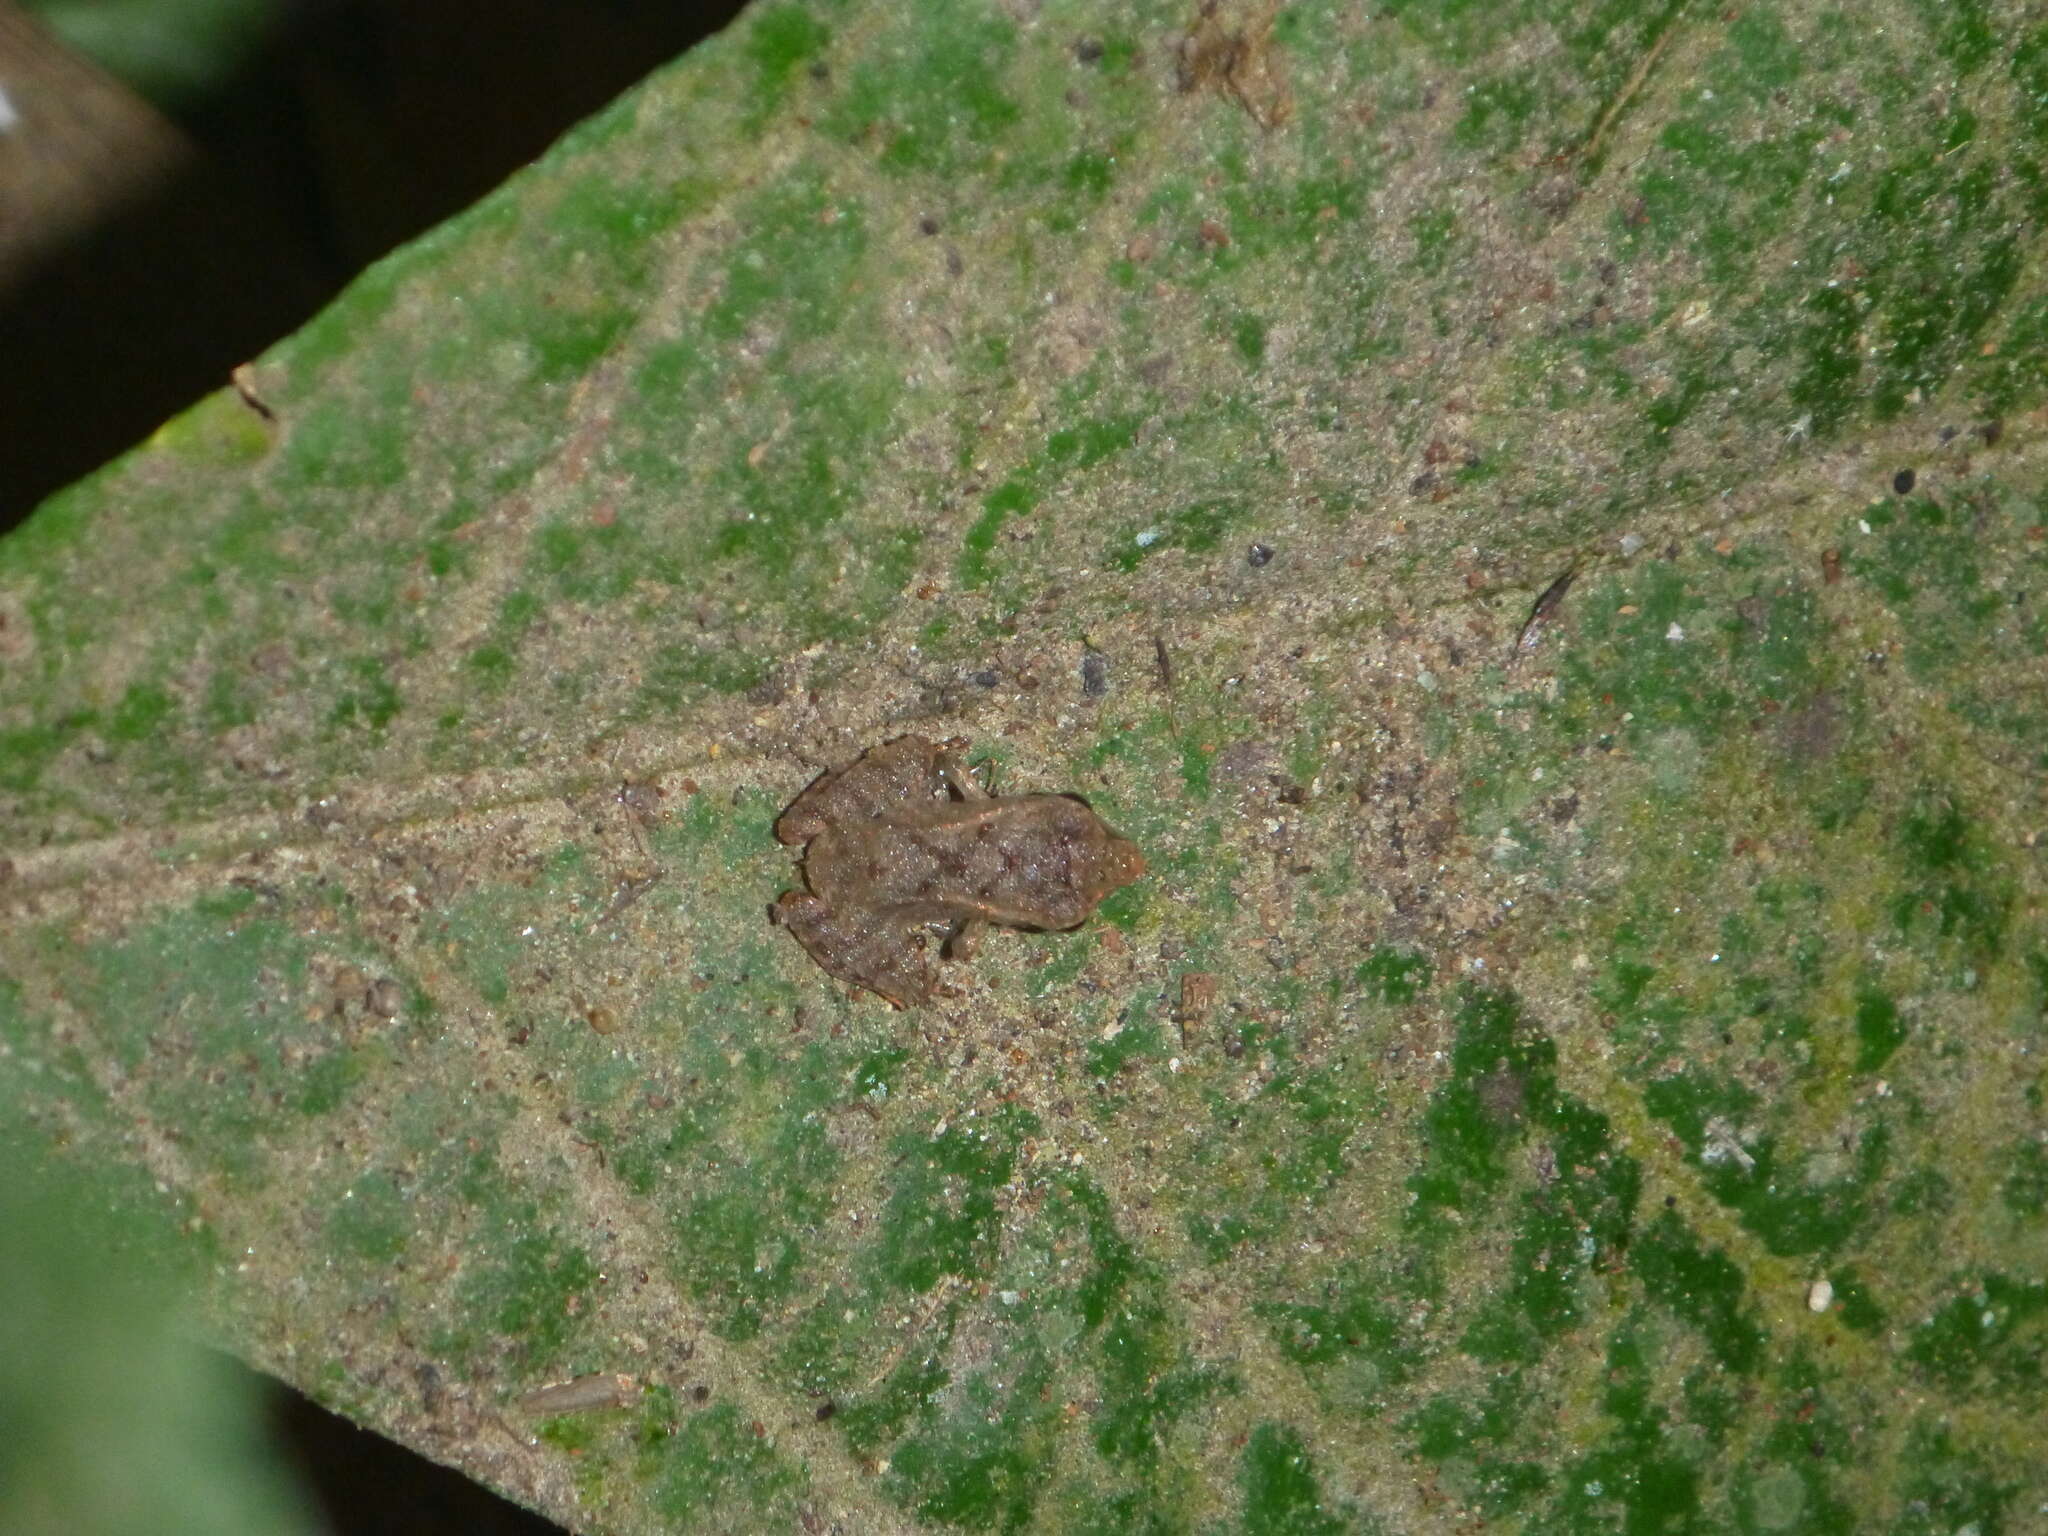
(903, 840)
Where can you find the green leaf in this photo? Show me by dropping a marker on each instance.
(1576, 1060)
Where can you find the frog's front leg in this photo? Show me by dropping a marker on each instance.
(958, 777)
(884, 957)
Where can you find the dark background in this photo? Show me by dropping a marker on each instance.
(347, 128)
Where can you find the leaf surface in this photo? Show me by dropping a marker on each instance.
(1530, 515)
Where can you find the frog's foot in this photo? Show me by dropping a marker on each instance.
(961, 938)
(883, 957)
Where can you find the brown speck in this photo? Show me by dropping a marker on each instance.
(1213, 235)
(757, 453)
(1830, 566)
(1236, 62)
(825, 1410)
(1197, 995)
(1141, 249)
(1234, 1047)
(603, 1389)
(927, 225)
(602, 1021)
(1812, 731)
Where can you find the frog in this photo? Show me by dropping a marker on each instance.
(905, 855)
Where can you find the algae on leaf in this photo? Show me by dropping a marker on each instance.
(1583, 1074)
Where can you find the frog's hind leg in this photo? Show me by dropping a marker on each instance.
(885, 958)
(881, 782)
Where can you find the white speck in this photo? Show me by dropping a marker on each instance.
(1820, 1296)
(1426, 680)
(1595, 1488)
(1009, 1298)
(1675, 633)
(1841, 171)
(1631, 542)
(1863, 523)
(1988, 1319)
(1173, 1064)
(1723, 1145)
(1148, 538)
(1535, 775)
(9, 118)
(1884, 1089)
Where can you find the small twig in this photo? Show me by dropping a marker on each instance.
(629, 893)
(947, 1284)
(1546, 608)
(1635, 83)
